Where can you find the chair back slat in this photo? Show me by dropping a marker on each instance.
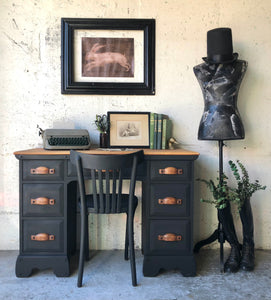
(101, 192)
(107, 192)
(114, 191)
(118, 207)
(94, 190)
(107, 198)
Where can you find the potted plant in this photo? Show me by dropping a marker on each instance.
(220, 191)
(240, 195)
(222, 195)
(244, 190)
(102, 125)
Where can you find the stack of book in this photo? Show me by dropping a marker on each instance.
(160, 131)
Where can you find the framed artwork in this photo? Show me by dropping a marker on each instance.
(129, 129)
(108, 56)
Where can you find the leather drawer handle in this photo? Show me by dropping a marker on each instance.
(42, 171)
(171, 171)
(170, 201)
(42, 237)
(170, 237)
(43, 201)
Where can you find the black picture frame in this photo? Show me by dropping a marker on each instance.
(69, 29)
(129, 129)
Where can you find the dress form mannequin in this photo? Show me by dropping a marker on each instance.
(220, 85)
(220, 77)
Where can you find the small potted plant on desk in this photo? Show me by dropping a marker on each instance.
(102, 125)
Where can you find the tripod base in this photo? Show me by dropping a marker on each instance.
(207, 241)
(218, 235)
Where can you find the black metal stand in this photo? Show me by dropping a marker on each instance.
(218, 234)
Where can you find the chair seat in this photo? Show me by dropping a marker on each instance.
(123, 208)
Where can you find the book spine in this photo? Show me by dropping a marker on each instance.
(160, 118)
(155, 132)
(166, 133)
(159, 131)
(152, 130)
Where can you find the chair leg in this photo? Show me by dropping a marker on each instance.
(87, 240)
(131, 248)
(82, 250)
(126, 240)
(126, 256)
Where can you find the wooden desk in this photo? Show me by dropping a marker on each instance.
(48, 193)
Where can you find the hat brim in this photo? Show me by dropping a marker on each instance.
(210, 61)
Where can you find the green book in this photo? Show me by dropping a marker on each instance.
(166, 132)
(160, 118)
(155, 132)
(152, 130)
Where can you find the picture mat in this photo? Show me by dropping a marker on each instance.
(137, 35)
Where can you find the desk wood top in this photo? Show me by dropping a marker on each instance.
(41, 151)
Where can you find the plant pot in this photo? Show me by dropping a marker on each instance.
(104, 140)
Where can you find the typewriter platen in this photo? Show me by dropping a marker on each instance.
(65, 139)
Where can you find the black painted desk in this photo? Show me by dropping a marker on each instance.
(48, 193)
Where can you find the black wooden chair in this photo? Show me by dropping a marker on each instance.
(106, 173)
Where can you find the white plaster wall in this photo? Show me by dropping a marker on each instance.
(30, 94)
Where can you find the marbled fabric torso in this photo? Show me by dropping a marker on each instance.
(220, 85)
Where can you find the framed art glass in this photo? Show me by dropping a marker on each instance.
(129, 129)
(108, 56)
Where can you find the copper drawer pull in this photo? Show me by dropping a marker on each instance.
(171, 171)
(42, 237)
(170, 237)
(170, 201)
(42, 171)
(43, 201)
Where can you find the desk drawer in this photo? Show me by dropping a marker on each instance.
(170, 199)
(169, 237)
(43, 236)
(39, 170)
(46, 199)
(170, 170)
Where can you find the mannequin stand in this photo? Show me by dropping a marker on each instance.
(218, 234)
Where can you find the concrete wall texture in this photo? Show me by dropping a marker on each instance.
(30, 95)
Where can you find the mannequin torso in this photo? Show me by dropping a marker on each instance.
(220, 85)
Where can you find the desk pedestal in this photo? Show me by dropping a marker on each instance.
(168, 215)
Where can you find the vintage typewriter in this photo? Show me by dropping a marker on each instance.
(57, 139)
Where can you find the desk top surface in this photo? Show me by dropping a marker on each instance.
(41, 151)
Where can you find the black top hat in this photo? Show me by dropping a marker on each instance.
(219, 46)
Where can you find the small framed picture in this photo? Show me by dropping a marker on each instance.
(129, 129)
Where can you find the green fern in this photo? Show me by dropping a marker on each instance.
(245, 189)
(221, 192)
